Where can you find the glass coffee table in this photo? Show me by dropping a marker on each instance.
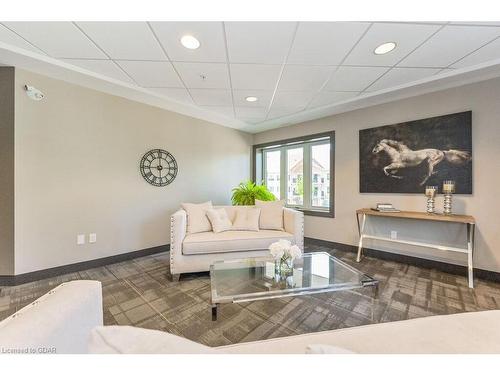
(252, 279)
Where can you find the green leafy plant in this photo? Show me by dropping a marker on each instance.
(247, 192)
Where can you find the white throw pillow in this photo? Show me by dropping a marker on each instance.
(326, 349)
(247, 218)
(219, 220)
(271, 214)
(197, 220)
(133, 340)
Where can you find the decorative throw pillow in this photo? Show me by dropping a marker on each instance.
(134, 340)
(271, 214)
(197, 220)
(247, 218)
(219, 220)
(327, 349)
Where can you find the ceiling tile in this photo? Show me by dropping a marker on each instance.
(57, 39)
(478, 23)
(325, 43)
(124, 40)
(296, 99)
(304, 77)
(406, 36)
(259, 42)
(450, 44)
(222, 110)
(254, 76)
(152, 73)
(399, 76)
(489, 52)
(180, 95)
(13, 39)
(192, 73)
(210, 35)
(331, 97)
(212, 97)
(283, 111)
(264, 98)
(354, 78)
(105, 67)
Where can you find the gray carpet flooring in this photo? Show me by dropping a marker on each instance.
(139, 293)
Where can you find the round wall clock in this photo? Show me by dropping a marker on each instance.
(158, 167)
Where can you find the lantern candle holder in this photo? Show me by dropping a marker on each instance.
(448, 190)
(430, 193)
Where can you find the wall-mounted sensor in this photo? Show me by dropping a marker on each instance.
(34, 93)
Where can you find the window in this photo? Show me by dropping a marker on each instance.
(298, 170)
(272, 166)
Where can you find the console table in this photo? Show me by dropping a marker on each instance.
(467, 220)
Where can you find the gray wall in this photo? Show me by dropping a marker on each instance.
(77, 171)
(6, 171)
(484, 101)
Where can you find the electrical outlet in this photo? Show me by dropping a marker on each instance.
(80, 239)
(92, 237)
(394, 235)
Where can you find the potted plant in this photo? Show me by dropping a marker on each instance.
(247, 192)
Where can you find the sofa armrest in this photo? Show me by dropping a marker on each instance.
(294, 224)
(58, 322)
(178, 228)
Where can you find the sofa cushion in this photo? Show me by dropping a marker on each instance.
(247, 219)
(219, 220)
(197, 220)
(210, 242)
(271, 214)
(133, 340)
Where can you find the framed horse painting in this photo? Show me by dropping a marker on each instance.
(405, 157)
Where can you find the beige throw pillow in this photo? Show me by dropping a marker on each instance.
(197, 220)
(247, 218)
(219, 220)
(271, 214)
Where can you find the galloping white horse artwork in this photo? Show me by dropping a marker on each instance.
(403, 157)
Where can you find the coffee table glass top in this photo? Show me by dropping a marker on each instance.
(255, 278)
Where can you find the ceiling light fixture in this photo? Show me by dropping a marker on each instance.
(251, 99)
(384, 48)
(190, 42)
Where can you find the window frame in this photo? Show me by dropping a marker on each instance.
(258, 157)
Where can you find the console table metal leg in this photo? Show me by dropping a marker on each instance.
(361, 229)
(214, 311)
(470, 253)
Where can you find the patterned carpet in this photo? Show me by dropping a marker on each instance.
(138, 292)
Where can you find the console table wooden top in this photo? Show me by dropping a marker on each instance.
(464, 219)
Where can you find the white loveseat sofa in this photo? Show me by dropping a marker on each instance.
(69, 320)
(196, 252)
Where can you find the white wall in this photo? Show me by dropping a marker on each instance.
(77, 171)
(484, 101)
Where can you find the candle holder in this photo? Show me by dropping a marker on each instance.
(430, 193)
(448, 190)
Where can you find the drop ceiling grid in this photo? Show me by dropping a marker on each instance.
(235, 77)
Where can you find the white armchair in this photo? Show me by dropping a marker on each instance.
(196, 252)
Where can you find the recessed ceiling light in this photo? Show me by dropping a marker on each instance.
(251, 99)
(384, 48)
(190, 42)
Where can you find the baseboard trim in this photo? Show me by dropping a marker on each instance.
(75, 267)
(407, 259)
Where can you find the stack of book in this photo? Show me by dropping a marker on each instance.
(385, 207)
